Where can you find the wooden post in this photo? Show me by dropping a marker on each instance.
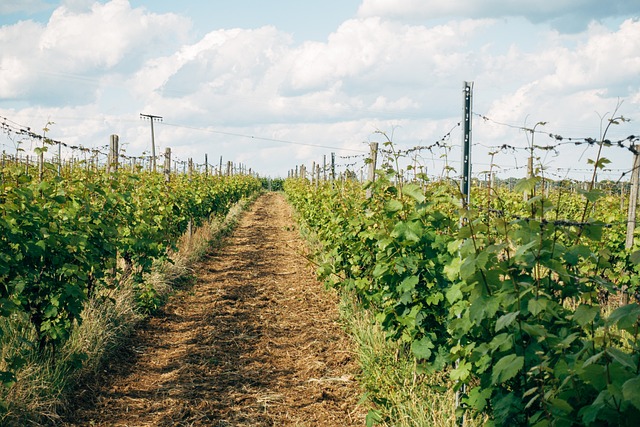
(112, 159)
(206, 165)
(317, 175)
(373, 160)
(59, 158)
(324, 167)
(167, 164)
(229, 168)
(631, 216)
(41, 165)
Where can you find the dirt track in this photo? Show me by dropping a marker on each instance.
(256, 342)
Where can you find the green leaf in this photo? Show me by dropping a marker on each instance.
(422, 348)
(625, 317)
(461, 372)
(452, 270)
(468, 267)
(479, 397)
(631, 391)
(454, 293)
(414, 191)
(573, 255)
(408, 284)
(621, 357)
(536, 305)
(635, 257)
(593, 231)
(505, 320)
(526, 185)
(595, 375)
(585, 314)
(506, 368)
(562, 405)
(454, 246)
(503, 342)
(593, 359)
(593, 195)
(536, 331)
(600, 164)
(51, 311)
(393, 206)
(373, 417)
(590, 413)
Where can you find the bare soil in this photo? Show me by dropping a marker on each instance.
(255, 342)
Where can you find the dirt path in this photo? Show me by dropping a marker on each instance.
(255, 343)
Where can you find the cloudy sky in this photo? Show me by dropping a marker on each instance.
(274, 84)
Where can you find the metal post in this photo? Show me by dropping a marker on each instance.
(333, 167)
(466, 142)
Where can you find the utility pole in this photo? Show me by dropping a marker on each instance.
(152, 118)
(465, 185)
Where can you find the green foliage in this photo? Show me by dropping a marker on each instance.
(272, 184)
(506, 299)
(60, 238)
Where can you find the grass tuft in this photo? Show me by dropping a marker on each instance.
(399, 395)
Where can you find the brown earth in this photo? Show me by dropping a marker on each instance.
(256, 342)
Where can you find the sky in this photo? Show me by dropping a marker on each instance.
(280, 83)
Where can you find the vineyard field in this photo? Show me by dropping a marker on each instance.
(519, 299)
(66, 236)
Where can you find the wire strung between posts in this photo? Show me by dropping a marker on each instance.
(556, 223)
(12, 127)
(441, 143)
(626, 143)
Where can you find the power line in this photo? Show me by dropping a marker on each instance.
(282, 141)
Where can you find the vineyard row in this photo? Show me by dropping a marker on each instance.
(64, 237)
(519, 302)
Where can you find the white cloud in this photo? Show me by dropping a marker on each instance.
(64, 60)
(103, 36)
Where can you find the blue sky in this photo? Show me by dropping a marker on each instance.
(280, 83)
(303, 19)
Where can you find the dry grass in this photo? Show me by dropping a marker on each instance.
(401, 396)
